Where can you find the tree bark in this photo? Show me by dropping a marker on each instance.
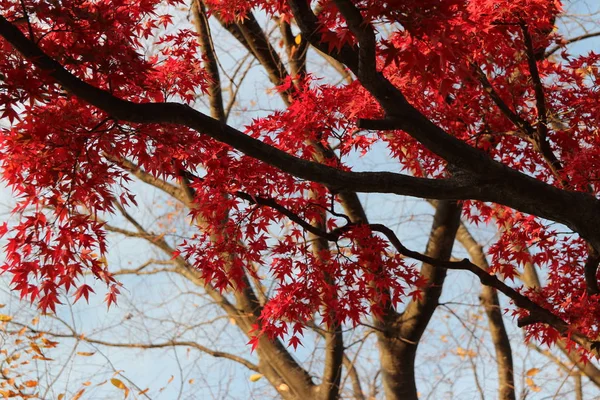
(491, 303)
(399, 338)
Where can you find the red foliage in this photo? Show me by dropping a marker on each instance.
(58, 155)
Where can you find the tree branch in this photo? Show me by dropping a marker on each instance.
(537, 314)
(170, 343)
(398, 355)
(491, 304)
(570, 41)
(494, 182)
(367, 63)
(215, 94)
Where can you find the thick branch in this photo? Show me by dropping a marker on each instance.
(296, 52)
(538, 314)
(367, 65)
(262, 49)
(500, 183)
(309, 25)
(215, 94)
(398, 355)
(556, 207)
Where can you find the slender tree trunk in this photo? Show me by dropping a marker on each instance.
(491, 303)
(400, 334)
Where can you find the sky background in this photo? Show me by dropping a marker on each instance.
(156, 308)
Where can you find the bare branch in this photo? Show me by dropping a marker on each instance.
(170, 343)
(570, 41)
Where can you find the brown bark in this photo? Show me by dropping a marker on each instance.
(400, 337)
(491, 303)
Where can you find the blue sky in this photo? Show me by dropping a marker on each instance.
(152, 307)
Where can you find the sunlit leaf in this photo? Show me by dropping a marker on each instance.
(532, 372)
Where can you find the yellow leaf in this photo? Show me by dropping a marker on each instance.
(78, 395)
(86, 383)
(61, 396)
(5, 318)
(191, 381)
(255, 377)
(532, 372)
(30, 384)
(85, 353)
(118, 383)
(529, 382)
(171, 379)
(298, 39)
(536, 388)
(144, 391)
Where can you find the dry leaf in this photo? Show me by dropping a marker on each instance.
(85, 353)
(118, 383)
(5, 318)
(529, 382)
(532, 372)
(78, 395)
(36, 348)
(255, 377)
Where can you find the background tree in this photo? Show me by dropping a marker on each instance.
(260, 229)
